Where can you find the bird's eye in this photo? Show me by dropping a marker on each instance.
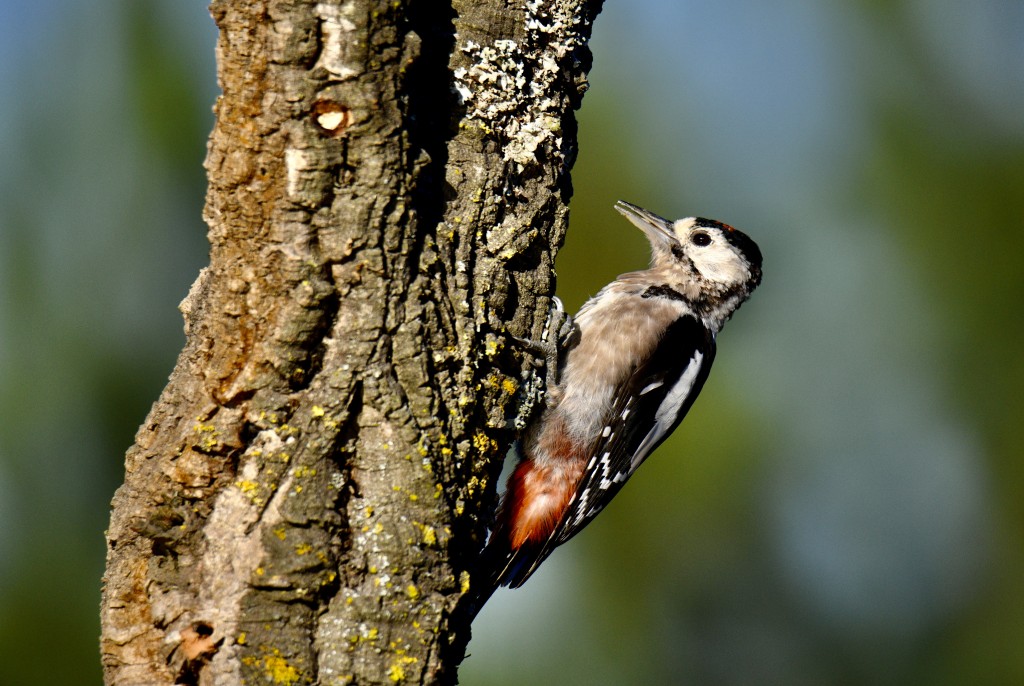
(700, 238)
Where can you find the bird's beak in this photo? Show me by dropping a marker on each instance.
(658, 230)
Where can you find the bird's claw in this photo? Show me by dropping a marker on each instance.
(552, 347)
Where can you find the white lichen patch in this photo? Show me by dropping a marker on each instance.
(511, 88)
(335, 27)
(298, 164)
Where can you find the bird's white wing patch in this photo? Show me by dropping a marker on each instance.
(668, 413)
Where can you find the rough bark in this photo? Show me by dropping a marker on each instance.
(388, 185)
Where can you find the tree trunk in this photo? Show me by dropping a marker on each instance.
(388, 188)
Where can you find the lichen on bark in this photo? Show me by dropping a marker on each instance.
(388, 187)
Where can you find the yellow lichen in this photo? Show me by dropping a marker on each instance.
(317, 411)
(484, 443)
(279, 671)
(209, 441)
(412, 591)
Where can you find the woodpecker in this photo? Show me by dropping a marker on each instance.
(632, 363)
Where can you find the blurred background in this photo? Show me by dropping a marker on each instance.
(844, 504)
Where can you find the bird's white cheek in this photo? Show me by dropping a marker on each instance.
(724, 269)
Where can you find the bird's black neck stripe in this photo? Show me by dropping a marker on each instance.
(662, 292)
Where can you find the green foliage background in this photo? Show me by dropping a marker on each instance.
(845, 503)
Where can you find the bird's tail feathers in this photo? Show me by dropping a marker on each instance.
(500, 565)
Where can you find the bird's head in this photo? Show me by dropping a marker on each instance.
(713, 251)
(712, 265)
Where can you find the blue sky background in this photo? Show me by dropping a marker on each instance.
(844, 504)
